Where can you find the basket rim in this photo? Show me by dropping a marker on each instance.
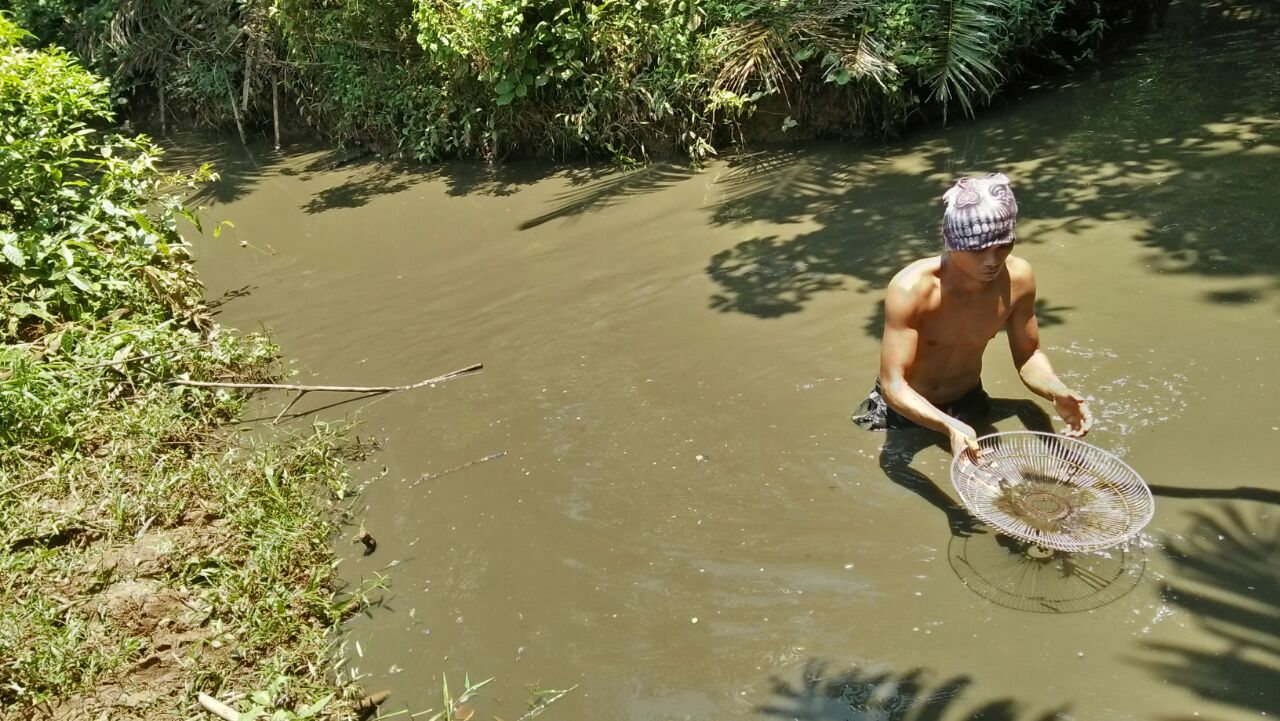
(1142, 483)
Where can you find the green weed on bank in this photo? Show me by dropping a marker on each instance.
(149, 548)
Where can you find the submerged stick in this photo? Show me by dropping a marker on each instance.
(432, 476)
(333, 389)
(217, 708)
(542, 705)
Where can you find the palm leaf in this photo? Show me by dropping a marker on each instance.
(966, 48)
(765, 51)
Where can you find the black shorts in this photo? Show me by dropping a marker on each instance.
(874, 413)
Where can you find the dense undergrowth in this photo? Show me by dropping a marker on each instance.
(488, 78)
(146, 554)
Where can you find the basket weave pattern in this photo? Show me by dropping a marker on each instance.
(1053, 491)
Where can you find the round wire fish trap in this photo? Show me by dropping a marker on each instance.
(1053, 491)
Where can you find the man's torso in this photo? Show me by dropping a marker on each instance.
(953, 331)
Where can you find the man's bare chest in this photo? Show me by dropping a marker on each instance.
(970, 326)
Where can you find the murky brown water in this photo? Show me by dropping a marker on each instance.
(631, 325)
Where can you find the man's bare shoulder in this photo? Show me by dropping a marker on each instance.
(1021, 277)
(911, 290)
(918, 279)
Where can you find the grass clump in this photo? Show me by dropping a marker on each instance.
(146, 554)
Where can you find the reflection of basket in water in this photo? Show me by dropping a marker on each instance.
(1052, 491)
(1017, 575)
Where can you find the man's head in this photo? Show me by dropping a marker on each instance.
(979, 213)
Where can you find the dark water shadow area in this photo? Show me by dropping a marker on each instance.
(874, 695)
(361, 175)
(1226, 575)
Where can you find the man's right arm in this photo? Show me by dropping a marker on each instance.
(897, 352)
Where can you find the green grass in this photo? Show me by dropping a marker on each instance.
(132, 486)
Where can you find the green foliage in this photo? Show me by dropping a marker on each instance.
(487, 78)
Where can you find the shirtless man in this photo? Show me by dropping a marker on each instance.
(941, 312)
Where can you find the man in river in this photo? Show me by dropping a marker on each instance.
(941, 312)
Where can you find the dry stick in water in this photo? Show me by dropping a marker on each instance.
(305, 389)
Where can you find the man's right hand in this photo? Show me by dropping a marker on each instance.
(963, 439)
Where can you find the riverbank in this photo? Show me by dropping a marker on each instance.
(152, 553)
(493, 79)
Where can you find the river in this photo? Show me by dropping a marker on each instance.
(683, 523)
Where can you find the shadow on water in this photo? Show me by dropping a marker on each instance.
(1180, 143)
(596, 190)
(1225, 576)
(361, 175)
(866, 695)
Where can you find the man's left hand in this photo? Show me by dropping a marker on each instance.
(1075, 412)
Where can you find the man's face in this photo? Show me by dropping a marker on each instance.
(982, 265)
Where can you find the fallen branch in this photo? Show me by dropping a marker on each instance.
(217, 708)
(333, 389)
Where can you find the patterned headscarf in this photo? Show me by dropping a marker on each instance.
(980, 213)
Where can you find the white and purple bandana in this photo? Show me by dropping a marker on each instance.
(980, 213)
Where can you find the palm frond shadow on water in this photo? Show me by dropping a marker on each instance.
(858, 694)
(1226, 576)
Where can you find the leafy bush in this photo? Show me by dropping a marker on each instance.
(74, 238)
(436, 78)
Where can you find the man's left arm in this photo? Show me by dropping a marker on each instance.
(1032, 364)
